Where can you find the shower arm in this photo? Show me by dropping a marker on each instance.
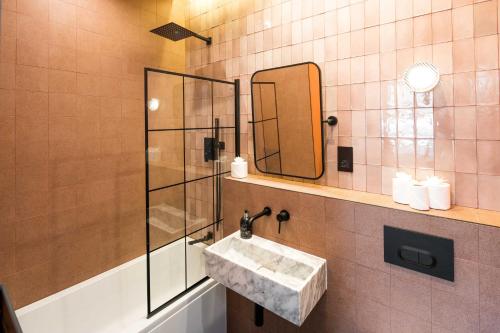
(207, 40)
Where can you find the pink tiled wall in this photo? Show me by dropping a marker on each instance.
(363, 47)
(72, 187)
(364, 293)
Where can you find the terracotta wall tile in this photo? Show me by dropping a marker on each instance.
(374, 179)
(57, 146)
(372, 71)
(62, 58)
(38, 8)
(466, 282)
(9, 24)
(424, 123)
(445, 158)
(387, 11)
(464, 15)
(62, 35)
(487, 187)
(424, 154)
(465, 123)
(487, 157)
(486, 49)
(443, 57)
(439, 5)
(485, 18)
(406, 153)
(414, 300)
(454, 313)
(387, 37)
(32, 28)
(422, 31)
(460, 3)
(404, 59)
(8, 50)
(489, 296)
(464, 91)
(401, 322)
(404, 33)
(389, 152)
(465, 152)
(463, 55)
(7, 102)
(8, 78)
(464, 235)
(31, 105)
(466, 189)
(373, 284)
(488, 123)
(443, 93)
(404, 9)
(31, 78)
(487, 87)
(369, 253)
(33, 53)
(488, 246)
(340, 214)
(372, 315)
(441, 26)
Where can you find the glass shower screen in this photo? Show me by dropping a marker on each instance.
(190, 128)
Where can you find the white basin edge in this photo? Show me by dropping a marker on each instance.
(272, 247)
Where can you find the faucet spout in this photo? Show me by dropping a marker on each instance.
(246, 222)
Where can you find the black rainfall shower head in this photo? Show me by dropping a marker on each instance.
(175, 32)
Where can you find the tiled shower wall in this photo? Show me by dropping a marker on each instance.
(72, 192)
(363, 47)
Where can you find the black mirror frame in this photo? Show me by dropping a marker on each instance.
(320, 120)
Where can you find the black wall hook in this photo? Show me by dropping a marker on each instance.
(332, 121)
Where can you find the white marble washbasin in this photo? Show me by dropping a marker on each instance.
(283, 280)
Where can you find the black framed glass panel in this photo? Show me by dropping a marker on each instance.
(188, 151)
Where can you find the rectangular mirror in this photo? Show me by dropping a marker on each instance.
(287, 121)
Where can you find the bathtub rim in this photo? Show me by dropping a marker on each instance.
(139, 324)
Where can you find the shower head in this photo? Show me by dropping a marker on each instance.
(175, 32)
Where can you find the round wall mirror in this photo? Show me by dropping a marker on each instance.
(421, 77)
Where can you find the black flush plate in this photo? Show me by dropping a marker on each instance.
(345, 158)
(423, 253)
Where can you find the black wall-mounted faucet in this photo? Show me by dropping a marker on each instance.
(247, 221)
(283, 216)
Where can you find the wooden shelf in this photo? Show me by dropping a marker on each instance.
(471, 215)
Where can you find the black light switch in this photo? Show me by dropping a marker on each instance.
(345, 158)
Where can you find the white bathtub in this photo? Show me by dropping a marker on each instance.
(115, 301)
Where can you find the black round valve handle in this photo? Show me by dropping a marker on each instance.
(283, 216)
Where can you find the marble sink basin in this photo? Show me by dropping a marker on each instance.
(283, 280)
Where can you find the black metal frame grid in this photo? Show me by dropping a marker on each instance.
(216, 174)
(262, 120)
(320, 119)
